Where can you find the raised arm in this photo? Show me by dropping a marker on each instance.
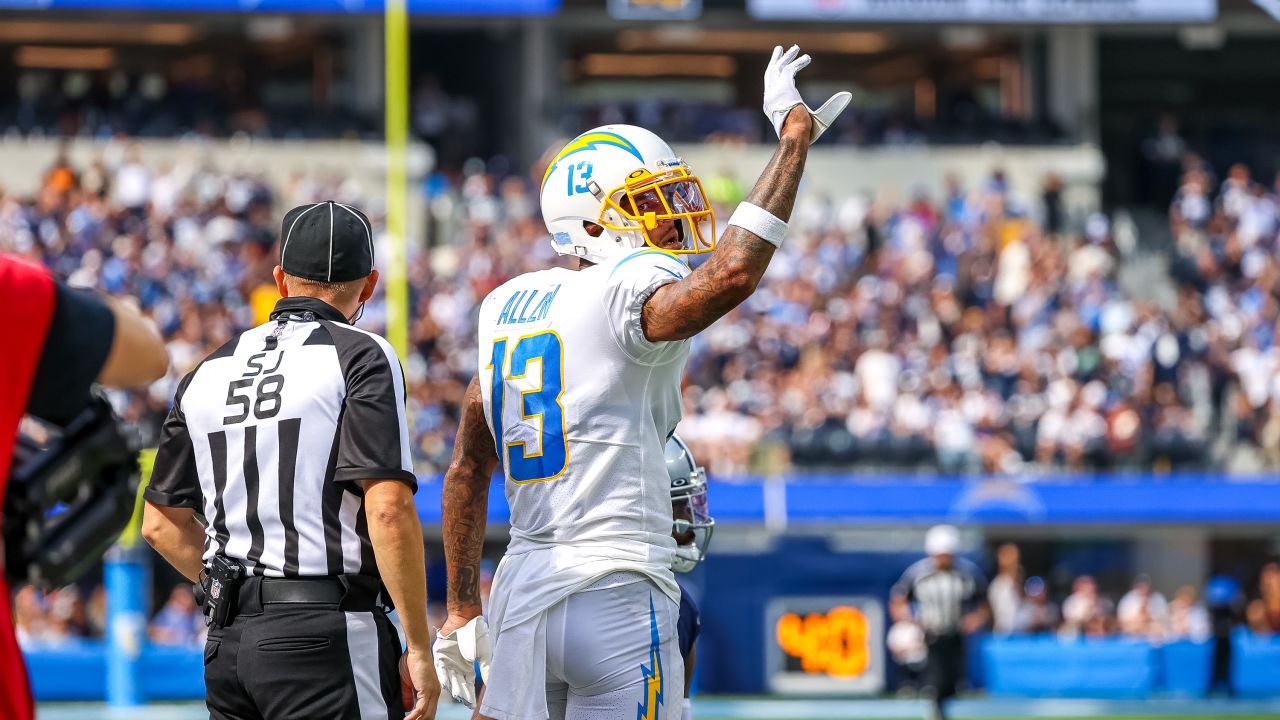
(683, 309)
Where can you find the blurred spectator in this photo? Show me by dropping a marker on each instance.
(1004, 594)
(1163, 152)
(1191, 211)
(1037, 614)
(180, 621)
(96, 612)
(1188, 618)
(1086, 611)
(49, 620)
(1263, 614)
(1142, 612)
(66, 619)
(28, 617)
(1226, 611)
(1236, 191)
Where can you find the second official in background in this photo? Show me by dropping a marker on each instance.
(948, 595)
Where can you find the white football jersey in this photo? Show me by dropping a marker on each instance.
(580, 405)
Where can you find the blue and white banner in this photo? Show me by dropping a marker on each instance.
(655, 9)
(993, 11)
(416, 7)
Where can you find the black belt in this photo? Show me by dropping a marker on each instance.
(351, 593)
(291, 590)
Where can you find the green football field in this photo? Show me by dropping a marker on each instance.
(81, 711)
(1029, 718)
(812, 709)
(86, 712)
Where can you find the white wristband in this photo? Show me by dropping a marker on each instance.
(760, 222)
(686, 710)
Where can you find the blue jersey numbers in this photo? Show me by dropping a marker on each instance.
(541, 402)
(583, 172)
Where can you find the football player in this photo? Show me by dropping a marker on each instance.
(577, 389)
(691, 529)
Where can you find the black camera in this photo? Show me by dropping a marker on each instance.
(69, 497)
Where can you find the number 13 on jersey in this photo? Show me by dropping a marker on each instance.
(541, 402)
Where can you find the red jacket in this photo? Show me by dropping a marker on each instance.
(27, 294)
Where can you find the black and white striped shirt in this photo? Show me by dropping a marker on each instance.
(942, 597)
(269, 437)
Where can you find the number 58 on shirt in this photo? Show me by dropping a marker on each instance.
(541, 402)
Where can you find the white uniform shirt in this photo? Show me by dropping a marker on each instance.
(580, 405)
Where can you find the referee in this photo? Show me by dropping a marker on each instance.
(283, 484)
(948, 595)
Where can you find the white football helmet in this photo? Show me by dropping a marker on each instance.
(691, 518)
(623, 180)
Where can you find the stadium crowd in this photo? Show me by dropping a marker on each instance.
(149, 104)
(64, 617)
(1023, 605)
(975, 331)
(41, 102)
(869, 125)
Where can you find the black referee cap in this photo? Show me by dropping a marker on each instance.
(327, 242)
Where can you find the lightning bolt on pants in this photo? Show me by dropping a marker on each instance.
(611, 653)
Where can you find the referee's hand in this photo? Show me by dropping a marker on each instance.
(419, 687)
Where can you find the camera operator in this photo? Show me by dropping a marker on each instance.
(59, 342)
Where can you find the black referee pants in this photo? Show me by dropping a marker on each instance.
(946, 664)
(291, 661)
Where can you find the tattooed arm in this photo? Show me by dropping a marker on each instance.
(683, 309)
(465, 506)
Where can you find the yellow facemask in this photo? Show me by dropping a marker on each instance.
(673, 194)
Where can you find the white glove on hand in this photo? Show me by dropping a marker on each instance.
(780, 93)
(456, 655)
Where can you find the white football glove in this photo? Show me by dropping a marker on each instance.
(456, 655)
(780, 93)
